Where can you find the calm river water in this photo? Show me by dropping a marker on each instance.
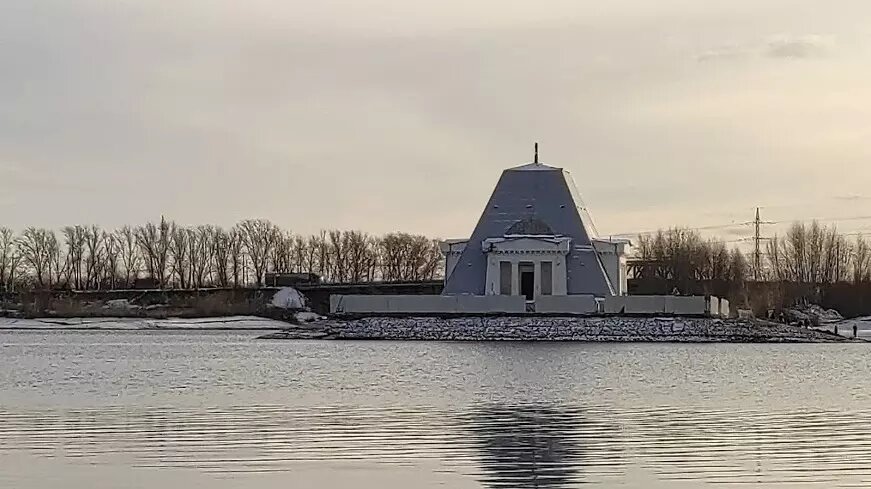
(223, 410)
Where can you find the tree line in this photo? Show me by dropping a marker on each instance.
(808, 254)
(170, 255)
(818, 255)
(684, 258)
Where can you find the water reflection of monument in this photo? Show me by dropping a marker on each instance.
(529, 446)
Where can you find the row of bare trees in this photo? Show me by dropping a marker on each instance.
(817, 255)
(169, 255)
(682, 256)
(807, 254)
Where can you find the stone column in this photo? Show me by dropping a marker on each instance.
(560, 276)
(515, 277)
(493, 281)
(537, 289)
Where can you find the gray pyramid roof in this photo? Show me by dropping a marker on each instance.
(540, 195)
(530, 227)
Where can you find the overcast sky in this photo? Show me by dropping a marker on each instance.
(388, 115)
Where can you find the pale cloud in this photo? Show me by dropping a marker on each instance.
(799, 47)
(853, 197)
(780, 46)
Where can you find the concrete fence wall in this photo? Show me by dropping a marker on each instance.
(665, 304)
(426, 304)
(724, 309)
(571, 304)
(566, 304)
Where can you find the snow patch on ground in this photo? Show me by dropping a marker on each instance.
(132, 324)
(812, 314)
(288, 298)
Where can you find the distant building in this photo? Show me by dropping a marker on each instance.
(534, 251)
(535, 237)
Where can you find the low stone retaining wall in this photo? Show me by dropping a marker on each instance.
(599, 329)
(426, 304)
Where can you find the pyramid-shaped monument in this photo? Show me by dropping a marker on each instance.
(535, 220)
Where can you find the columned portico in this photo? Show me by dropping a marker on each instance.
(542, 252)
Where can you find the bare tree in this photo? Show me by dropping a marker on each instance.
(259, 237)
(221, 257)
(38, 248)
(812, 254)
(310, 259)
(393, 252)
(94, 258)
(74, 240)
(405, 257)
(15, 271)
(739, 269)
(7, 256)
(154, 243)
(146, 238)
(360, 256)
(282, 256)
(178, 250)
(300, 251)
(112, 256)
(683, 258)
(57, 264)
(236, 250)
(862, 262)
(201, 249)
(322, 249)
(337, 248)
(131, 259)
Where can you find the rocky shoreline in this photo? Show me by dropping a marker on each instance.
(528, 328)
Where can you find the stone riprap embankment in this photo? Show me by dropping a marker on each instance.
(598, 329)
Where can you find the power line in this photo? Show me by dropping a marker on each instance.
(699, 228)
(748, 223)
(825, 219)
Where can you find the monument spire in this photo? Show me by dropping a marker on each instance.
(536, 153)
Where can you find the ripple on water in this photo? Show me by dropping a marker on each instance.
(499, 445)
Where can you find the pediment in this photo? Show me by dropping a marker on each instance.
(527, 244)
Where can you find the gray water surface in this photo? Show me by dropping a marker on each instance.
(205, 409)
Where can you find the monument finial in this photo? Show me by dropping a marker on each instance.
(536, 153)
